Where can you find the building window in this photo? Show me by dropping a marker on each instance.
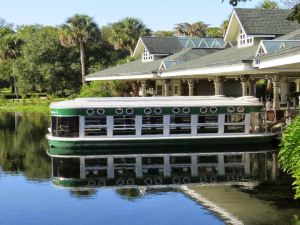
(244, 40)
(180, 124)
(95, 126)
(176, 90)
(124, 125)
(152, 125)
(147, 57)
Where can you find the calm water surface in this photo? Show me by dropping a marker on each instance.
(28, 194)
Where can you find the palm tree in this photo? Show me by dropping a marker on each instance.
(197, 29)
(126, 33)
(10, 47)
(268, 4)
(78, 31)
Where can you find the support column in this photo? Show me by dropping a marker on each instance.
(252, 87)
(167, 167)
(144, 86)
(138, 167)
(245, 84)
(191, 86)
(276, 86)
(110, 167)
(283, 90)
(194, 169)
(297, 85)
(247, 164)
(82, 167)
(218, 82)
(166, 85)
(221, 165)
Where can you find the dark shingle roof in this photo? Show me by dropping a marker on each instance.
(162, 45)
(266, 21)
(138, 67)
(294, 35)
(226, 56)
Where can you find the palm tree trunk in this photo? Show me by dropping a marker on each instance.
(15, 85)
(82, 61)
(131, 50)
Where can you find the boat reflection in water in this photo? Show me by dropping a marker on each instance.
(163, 168)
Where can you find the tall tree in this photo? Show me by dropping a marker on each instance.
(10, 46)
(79, 31)
(268, 4)
(126, 33)
(197, 29)
(214, 32)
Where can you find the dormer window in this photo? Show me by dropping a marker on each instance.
(147, 57)
(244, 40)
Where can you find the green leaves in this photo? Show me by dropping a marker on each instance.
(289, 155)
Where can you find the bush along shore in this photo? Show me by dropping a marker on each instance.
(31, 105)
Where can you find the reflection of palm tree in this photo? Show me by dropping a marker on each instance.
(129, 193)
(78, 32)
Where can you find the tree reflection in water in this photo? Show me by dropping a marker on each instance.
(23, 145)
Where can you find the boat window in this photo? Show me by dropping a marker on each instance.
(66, 167)
(180, 124)
(124, 167)
(180, 160)
(208, 159)
(207, 171)
(96, 168)
(124, 125)
(152, 125)
(257, 122)
(95, 126)
(235, 171)
(233, 158)
(153, 160)
(234, 123)
(234, 118)
(65, 126)
(207, 124)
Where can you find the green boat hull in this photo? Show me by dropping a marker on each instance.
(61, 147)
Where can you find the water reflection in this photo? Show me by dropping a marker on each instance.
(23, 145)
(160, 169)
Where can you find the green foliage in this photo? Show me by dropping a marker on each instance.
(105, 89)
(268, 4)
(289, 155)
(198, 29)
(163, 33)
(295, 14)
(214, 32)
(125, 33)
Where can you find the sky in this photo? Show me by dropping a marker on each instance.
(156, 14)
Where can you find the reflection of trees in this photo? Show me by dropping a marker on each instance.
(24, 149)
(84, 193)
(129, 193)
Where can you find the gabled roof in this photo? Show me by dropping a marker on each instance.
(266, 21)
(226, 56)
(294, 35)
(162, 45)
(138, 67)
(171, 44)
(270, 46)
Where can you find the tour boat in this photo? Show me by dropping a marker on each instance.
(116, 122)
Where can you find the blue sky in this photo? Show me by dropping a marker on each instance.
(156, 14)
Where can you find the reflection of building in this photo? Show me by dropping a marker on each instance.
(162, 168)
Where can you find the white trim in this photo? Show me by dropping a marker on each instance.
(282, 60)
(122, 77)
(166, 121)
(81, 126)
(240, 67)
(229, 24)
(135, 49)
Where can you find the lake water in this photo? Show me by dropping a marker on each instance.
(38, 189)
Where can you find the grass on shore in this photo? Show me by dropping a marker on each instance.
(32, 105)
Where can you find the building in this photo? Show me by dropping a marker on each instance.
(258, 44)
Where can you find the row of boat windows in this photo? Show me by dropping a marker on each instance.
(207, 165)
(150, 125)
